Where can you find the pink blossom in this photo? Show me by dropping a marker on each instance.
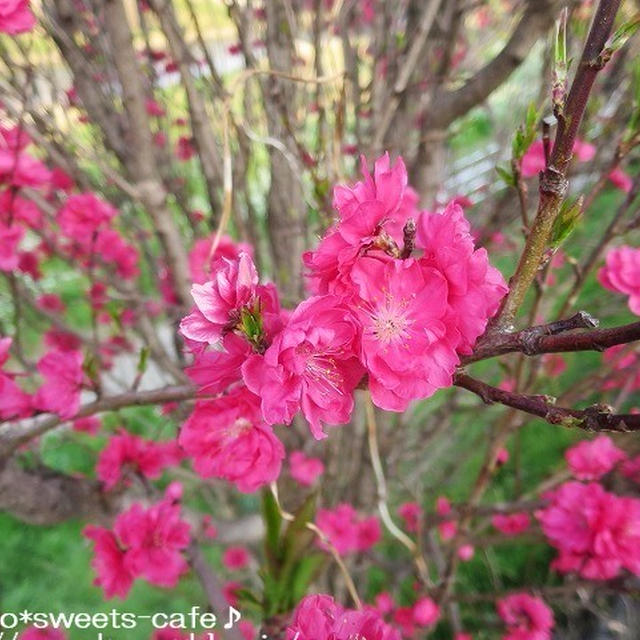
(112, 574)
(222, 302)
(127, 452)
(16, 17)
(384, 603)
(372, 214)
(14, 208)
(502, 456)
(533, 161)
(10, 238)
(14, 402)
(403, 310)
(82, 215)
(411, 513)
(49, 633)
(89, 424)
(230, 592)
(319, 617)
(311, 365)
(227, 439)
(474, 287)
(448, 528)
(62, 340)
(631, 468)
(154, 108)
(597, 533)
(425, 612)
(526, 617)
(511, 524)
(621, 180)
(154, 539)
(305, 471)
(213, 371)
(583, 151)
(466, 552)
(235, 558)
(64, 379)
(463, 636)
(22, 170)
(590, 460)
(117, 252)
(184, 148)
(346, 530)
(51, 302)
(621, 273)
(201, 260)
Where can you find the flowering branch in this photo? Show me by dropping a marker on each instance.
(553, 181)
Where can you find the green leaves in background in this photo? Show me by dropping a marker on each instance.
(291, 563)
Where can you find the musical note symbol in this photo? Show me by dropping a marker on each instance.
(234, 616)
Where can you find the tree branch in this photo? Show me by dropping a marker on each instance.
(595, 418)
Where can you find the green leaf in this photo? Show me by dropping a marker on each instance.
(273, 524)
(566, 222)
(621, 36)
(142, 359)
(506, 176)
(305, 572)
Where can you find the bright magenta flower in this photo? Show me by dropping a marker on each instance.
(82, 215)
(621, 273)
(154, 539)
(220, 302)
(590, 460)
(319, 617)
(511, 524)
(64, 379)
(346, 530)
(201, 261)
(411, 513)
(408, 347)
(311, 365)
(127, 452)
(227, 438)
(474, 287)
(16, 17)
(236, 558)
(305, 471)
(10, 238)
(526, 617)
(49, 633)
(112, 574)
(597, 533)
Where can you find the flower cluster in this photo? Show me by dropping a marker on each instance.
(126, 452)
(320, 617)
(526, 617)
(621, 273)
(346, 530)
(387, 281)
(597, 533)
(145, 543)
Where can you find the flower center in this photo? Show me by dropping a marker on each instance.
(390, 321)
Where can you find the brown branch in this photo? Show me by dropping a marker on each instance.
(448, 106)
(553, 181)
(12, 435)
(594, 418)
(537, 340)
(143, 166)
